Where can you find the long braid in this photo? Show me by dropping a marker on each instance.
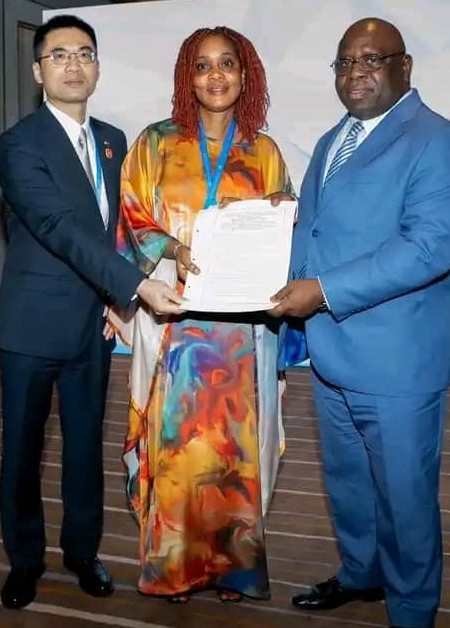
(253, 103)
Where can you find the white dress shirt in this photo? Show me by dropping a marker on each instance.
(73, 129)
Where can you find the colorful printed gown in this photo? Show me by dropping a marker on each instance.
(204, 429)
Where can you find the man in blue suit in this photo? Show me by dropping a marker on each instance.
(370, 267)
(59, 170)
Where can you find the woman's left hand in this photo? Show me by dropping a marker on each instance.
(276, 197)
(109, 331)
(184, 262)
(227, 200)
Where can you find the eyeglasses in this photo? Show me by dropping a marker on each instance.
(367, 63)
(59, 56)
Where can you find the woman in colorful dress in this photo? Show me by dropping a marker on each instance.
(204, 435)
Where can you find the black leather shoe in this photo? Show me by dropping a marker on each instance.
(92, 576)
(19, 589)
(330, 594)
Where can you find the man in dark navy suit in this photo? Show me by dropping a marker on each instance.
(59, 170)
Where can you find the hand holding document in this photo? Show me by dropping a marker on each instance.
(243, 254)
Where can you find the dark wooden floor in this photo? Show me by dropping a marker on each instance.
(300, 541)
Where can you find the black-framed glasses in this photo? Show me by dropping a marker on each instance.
(60, 56)
(367, 63)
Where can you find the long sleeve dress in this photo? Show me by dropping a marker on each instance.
(205, 431)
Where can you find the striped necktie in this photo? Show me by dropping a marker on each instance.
(345, 150)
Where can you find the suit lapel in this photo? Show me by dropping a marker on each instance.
(107, 156)
(66, 166)
(312, 187)
(385, 134)
(326, 148)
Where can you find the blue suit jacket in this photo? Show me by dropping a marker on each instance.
(378, 235)
(60, 262)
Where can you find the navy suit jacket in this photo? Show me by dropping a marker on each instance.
(378, 236)
(60, 262)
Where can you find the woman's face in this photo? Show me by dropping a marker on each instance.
(218, 77)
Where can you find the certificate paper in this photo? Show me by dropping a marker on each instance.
(243, 254)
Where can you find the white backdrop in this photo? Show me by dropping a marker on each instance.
(296, 39)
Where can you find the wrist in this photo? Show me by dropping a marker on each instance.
(176, 248)
(141, 285)
(322, 298)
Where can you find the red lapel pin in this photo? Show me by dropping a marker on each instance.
(108, 150)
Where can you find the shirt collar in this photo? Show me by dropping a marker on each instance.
(71, 126)
(370, 124)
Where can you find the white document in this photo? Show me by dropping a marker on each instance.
(243, 254)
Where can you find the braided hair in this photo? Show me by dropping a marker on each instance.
(253, 103)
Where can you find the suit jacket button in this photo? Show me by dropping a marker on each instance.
(315, 233)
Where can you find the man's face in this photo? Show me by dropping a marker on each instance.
(369, 93)
(73, 82)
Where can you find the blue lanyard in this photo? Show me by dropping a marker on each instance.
(213, 178)
(98, 175)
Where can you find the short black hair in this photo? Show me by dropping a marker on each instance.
(60, 21)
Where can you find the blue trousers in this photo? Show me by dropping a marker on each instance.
(381, 461)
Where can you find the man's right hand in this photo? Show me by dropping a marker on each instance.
(301, 297)
(160, 297)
